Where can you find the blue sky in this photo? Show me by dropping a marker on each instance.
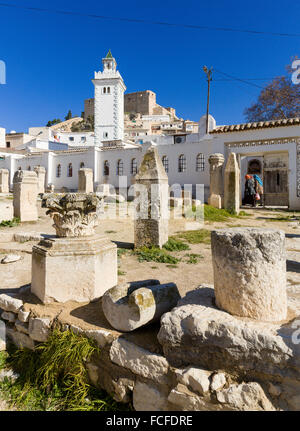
(51, 58)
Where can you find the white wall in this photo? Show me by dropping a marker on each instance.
(2, 138)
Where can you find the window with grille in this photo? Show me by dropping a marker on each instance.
(200, 162)
(165, 162)
(119, 168)
(133, 167)
(58, 171)
(182, 163)
(70, 170)
(106, 168)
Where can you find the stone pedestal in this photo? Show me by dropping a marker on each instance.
(41, 174)
(216, 196)
(152, 213)
(25, 195)
(4, 178)
(232, 193)
(85, 180)
(250, 272)
(77, 268)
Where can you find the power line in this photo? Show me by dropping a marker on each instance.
(142, 21)
(238, 79)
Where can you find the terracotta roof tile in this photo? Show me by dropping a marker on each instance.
(257, 125)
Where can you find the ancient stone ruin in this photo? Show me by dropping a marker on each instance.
(25, 193)
(232, 196)
(132, 305)
(151, 218)
(85, 180)
(216, 196)
(41, 176)
(4, 181)
(250, 272)
(76, 264)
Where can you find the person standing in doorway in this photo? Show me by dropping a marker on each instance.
(250, 192)
(259, 188)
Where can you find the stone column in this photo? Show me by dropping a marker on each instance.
(76, 264)
(216, 195)
(85, 180)
(4, 181)
(152, 221)
(232, 184)
(250, 272)
(41, 174)
(25, 189)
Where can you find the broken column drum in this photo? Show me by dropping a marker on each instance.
(250, 272)
(216, 195)
(85, 180)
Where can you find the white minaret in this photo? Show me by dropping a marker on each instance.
(109, 103)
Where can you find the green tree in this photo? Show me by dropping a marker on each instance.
(52, 122)
(279, 99)
(69, 115)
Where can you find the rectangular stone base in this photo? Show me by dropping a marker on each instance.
(73, 269)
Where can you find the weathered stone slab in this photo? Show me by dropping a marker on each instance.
(197, 333)
(9, 303)
(23, 316)
(41, 176)
(197, 379)
(39, 328)
(232, 196)
(250, 272)
(216, 193)
(132, 305)
(21, 340)
(85, 180)
(245, 397)
(148, 397)
(25, 185)
(4, 181)
(152, 214)
(139, 361)
(9, 316)
(10, 258)
(79, 269)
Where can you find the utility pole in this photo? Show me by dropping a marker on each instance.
(209, 79)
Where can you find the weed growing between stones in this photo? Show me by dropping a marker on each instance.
(174, 244)
(54, 376)
(193, 258)
(10, 223)
(155, 254)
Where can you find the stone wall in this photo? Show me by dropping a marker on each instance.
(135, 368)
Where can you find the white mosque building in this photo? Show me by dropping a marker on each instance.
(271, 149)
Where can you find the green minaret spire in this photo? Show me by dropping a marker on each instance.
(109, 55)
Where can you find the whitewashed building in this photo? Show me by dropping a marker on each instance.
(271, 149)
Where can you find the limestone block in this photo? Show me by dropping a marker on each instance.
(148, 397)
(79, 268)
(93, 371)
(22, 327)
(216, 194)
(139, 361)
(4, 181)
(2, 345)
(232, 184)
(21, 340)
(25, 190)
(27, 236)
(250, 272)
(196, 378)
(101, 336)
(23, 316)
(274, 390)
(131, 305)
(39, 328)
(184, 400)
(245, 397)
(218, 381)
(197, 333)
(85, 180)
(10, 258)
(9, 303)
(10, 317)
(41, 175)
(151, 211)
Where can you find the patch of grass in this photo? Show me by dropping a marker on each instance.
(10, 223)
(283, 218)
(174, 244)
(195, 236)
(193, 258)
(155, 267)
(212, 214)
(155, 254)
(54, 376)
(110, 231)
(172, 266)
(120, 272)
